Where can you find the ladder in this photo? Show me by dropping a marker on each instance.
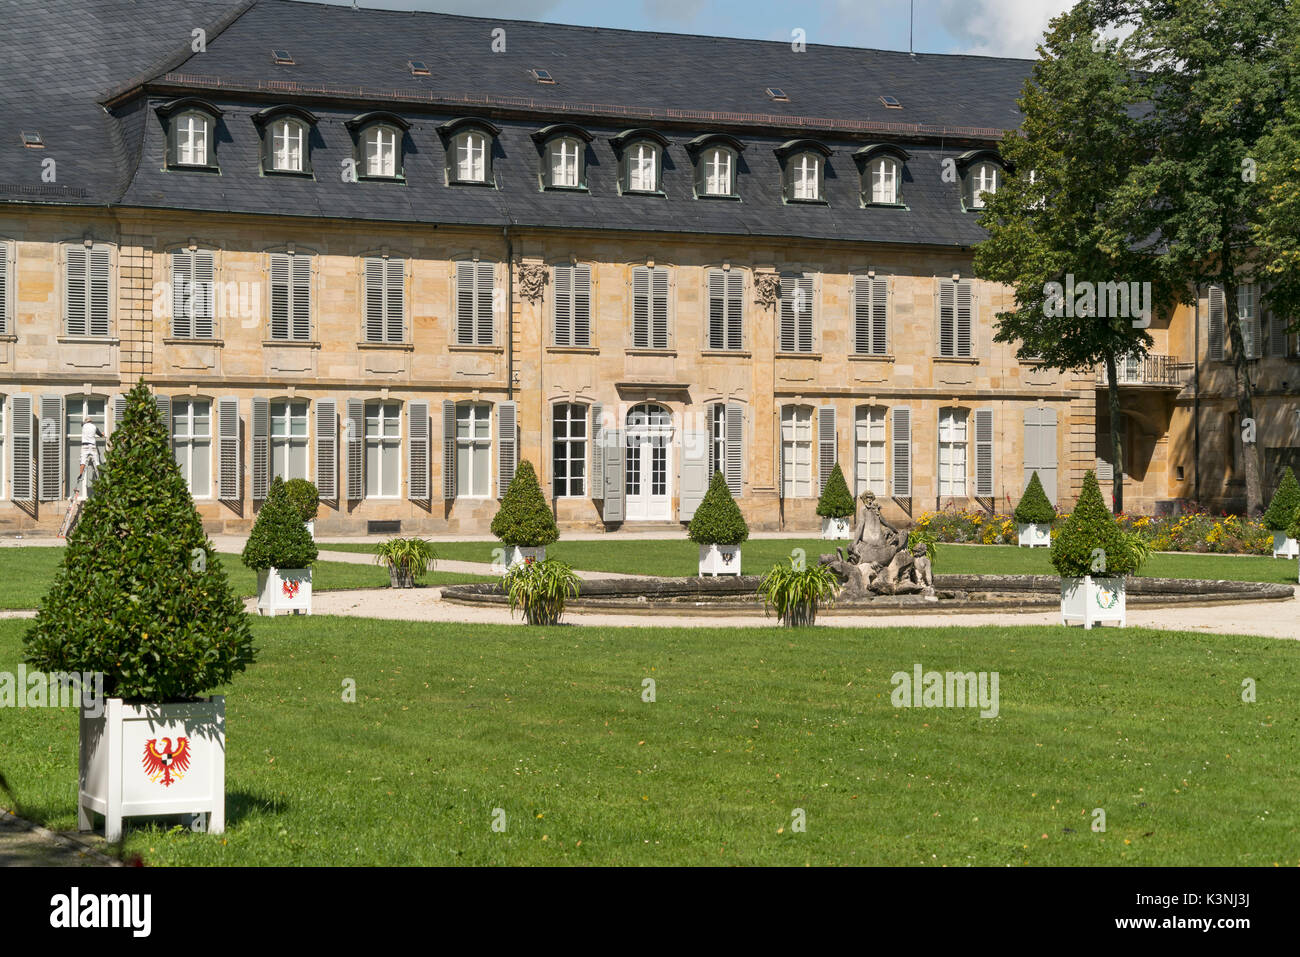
(85, 479)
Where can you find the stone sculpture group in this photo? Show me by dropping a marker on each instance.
(878, 560)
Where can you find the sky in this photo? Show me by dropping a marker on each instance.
(986, 27)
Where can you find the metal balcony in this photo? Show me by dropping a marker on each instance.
(1150, 370)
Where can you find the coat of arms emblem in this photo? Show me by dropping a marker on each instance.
(166, 765)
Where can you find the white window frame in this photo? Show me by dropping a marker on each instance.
(286, 135)
(471, 149)
(805, 179)
(719, 172)
(388, 410)
(870, 421)
(193, 139)
(986, 179)
(1248, 314)
(884, 181)
(642, 162)
(575, 448)
(185, 439)
(954, 452)
(465, 477)
(565, 168)
(72, 437)
(797, 443)
(378, 138)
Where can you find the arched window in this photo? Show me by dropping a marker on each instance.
(378, 138)
(803, 164)
(191, 126)
(286, 139)
(796, 451)
(381, 150)
(569, 450)
(192, 442)
(471, 157)
(640, 157)
(468, 145)
(985, 178)
(884, 180)
(564, 149)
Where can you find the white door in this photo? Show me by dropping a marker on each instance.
(648, 468)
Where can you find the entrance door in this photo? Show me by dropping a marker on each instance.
(648, 467)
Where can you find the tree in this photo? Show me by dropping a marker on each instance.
(1035, 507)
(1214, 81)
(524, 519)
(1282, 509)
(279, 539)
(1091, 541)
(1278, 230)
(141, 595)
(1054, 222)
(836, 500)
(718, 519)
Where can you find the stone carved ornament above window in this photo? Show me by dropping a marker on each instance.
(767, 288)
(532, 281)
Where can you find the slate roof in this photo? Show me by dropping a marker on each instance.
(350, 61)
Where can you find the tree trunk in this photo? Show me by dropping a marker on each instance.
(1245, 396)
(1116, 435)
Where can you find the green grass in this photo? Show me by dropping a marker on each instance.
(28, 571)
(549, 725)
(676, 558)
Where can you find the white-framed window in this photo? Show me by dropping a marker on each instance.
(193, 294)
(193, 139)
(569, 450)
(572, 299)
(884, 180)
(985, 178)
(642, 167)
(719, 172)
(796, 451)
(869, 450)
(75, 408)
(796, 327)
(471, 157)
(385, 299)
(718, 436)
(1248, 314)
(88, 285)
(805, 177)
(192, 443)
(565, 165)
(380, 143)
(383, 449)
(726, 309)
(952, 452)
(473, 450)
(288, 146)
(475, 285)
(650, 307)
(289, 439)
(291, 296)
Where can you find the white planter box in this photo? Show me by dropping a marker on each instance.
(1092, 601)
(836, 528)
(311, 529)
(518, 554)
(1031, 536)
(149, 760)
(1284, 547)
(719, 560)
(284, 590)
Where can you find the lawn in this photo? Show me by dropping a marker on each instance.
(549, 725)
(28, 571)
(675, 558)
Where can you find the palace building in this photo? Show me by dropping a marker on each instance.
(397, 253)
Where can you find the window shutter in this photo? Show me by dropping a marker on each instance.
(119, 410)
(483, 295)
(465, 303)
(1276, 334)
(100, 283)
(1040, 450)
(164, 403)
(51, 448)
(787, 335)
(735, 310)
(508, 447)
(902, 444)
(448, 450)
(182, 294)
(597, 452)
(417, 479)
(563, 284)
(946, 304)
(1216, 323)
(735, 450)
(880, 316)
(641, 307)
(780, 454)
(354, 433)
(965, 319)
(984, 453)
(327, 449)
(862, 343)
(204, 299)
(23, 458)
(261, 448)
(717, 310)
(279, 296)
(660, 313)
(695, 475)
(75, 304)
(395, 293)
(614, 510)
(374, 299)
(301, 297)
(582, 305)
(825, 445)
(228, 466)
(806, 315)
(6, 260)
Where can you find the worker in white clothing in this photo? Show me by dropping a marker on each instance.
(90, 435)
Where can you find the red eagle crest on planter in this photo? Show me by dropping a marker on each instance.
(166, 765)
(290, 587)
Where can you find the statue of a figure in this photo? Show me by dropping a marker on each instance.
(878, 561)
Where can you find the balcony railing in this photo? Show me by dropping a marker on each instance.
(1149, 370)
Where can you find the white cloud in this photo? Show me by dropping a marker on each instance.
(996, 27)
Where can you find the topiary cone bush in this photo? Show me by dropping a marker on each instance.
(279, 538)
(1090, 527)
(1281, 510)
(1035, 507)
(141, 595)
(1293, 530)
(718, 520)
(304, 496)
(524, 519)
(836, 500)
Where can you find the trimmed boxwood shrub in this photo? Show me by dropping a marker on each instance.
(524, 519)
(304, 497)
(279, 538)
(718, 520)
(1293, 530)
(141, 596)
(836, 500)
(1281, 510)
(1035, 508)
(1089, 527)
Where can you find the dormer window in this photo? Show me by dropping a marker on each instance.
(803, 170)
(564, 151)
(884, 180)
(882, 174)
(982, 173)
(378, 137)
(640, 157)
(469, 151)
(716, 162)
(807, 177)
(984, 179)
(191, 131)
(286, 139)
